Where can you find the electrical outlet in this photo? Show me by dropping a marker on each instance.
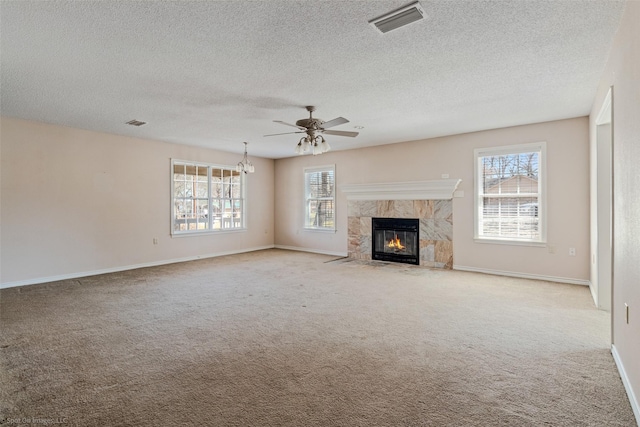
(572, 251)
(445, 175)
(155, 240)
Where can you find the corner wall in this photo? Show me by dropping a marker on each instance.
(567, 190)
(75, 202)
(623, 73)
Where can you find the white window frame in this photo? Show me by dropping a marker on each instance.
(479, 153)
(306, 197)
(210, 220)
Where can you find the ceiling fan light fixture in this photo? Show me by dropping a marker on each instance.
(313, 142)
(316, 149)
(399, 18)
(319, 145)
(304, 145)
(324, 145)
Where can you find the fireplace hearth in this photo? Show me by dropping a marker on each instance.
(396, 240)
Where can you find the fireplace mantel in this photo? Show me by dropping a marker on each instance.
(437, 189)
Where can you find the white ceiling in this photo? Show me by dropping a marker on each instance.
(217, 73)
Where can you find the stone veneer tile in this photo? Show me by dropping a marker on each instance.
(353, 244)
(353, 208)
(364, 226)
(443, 209)
(425, 226)
(423, 209)
(436, 229)
(444, 252)
(353, 225)
(365, 245)
(444, 229)
(385, 208)
(427, 251)
(368, 208)
(403, 209)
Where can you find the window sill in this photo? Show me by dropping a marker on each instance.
(510, 242)
(206, 233)
(320, 230)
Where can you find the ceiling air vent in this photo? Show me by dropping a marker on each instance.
(136, 123)
(399, 18)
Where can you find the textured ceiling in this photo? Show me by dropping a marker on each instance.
(216, 73)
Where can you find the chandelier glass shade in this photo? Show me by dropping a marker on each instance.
(245, 165)
(314, 144)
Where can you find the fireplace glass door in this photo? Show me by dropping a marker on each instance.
(396, 239)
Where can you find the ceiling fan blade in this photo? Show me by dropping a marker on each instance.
(340, 133)
(286, 133)
(289, 124)
(335, 122)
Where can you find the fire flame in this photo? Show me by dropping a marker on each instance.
(395, 243)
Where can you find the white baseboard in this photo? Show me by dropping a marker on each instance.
(126, 267)
(594, 293)
(315, 251)
(633, 399)
(523, 275)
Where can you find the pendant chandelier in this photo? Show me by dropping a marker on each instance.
(245, 165)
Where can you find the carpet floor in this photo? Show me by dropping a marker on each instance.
(280, 338)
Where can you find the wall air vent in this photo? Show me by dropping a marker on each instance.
(136, 123)
(399, 18)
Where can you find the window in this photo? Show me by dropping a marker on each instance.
(510, 194)
(206, 198)
(320, 198)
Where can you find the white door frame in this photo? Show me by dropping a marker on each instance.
(602, 225)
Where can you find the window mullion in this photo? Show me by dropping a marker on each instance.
(209, 198)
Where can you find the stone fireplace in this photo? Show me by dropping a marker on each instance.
(428, 202)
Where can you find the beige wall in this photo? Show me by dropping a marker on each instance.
(75, 202)
(623, 73)
(568, 195)
(72, 200)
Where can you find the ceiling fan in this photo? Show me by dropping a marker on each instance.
(313, 127)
